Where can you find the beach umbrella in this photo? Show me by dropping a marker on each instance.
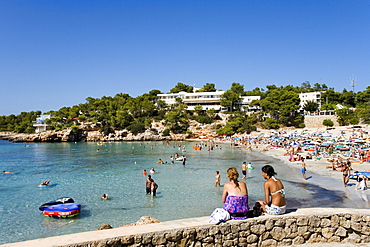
(360, 141)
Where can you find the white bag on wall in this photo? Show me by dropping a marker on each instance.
(219, 215)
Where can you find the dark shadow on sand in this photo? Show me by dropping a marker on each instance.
(320, 197)
(291, 210)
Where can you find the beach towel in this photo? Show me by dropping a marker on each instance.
(219, 215)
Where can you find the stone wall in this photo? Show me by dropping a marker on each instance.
(317, 225)
(316, 121)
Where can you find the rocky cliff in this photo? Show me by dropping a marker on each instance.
(90, 132)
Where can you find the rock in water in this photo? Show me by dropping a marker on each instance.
(104, 227)
(143, 221)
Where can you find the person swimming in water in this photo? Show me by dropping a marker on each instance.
(46, 182)
(6, 172)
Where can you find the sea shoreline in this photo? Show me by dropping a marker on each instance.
(317, 166)
(317, 172)
(319, 175)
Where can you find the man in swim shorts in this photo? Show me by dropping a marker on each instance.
(303, 169)
(148, 183)
(244, 170)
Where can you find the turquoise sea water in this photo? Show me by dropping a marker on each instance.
(77, 170)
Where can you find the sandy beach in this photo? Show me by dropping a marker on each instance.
(319, 165)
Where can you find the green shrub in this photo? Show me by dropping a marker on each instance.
(82, 117)
(270, 124)
(75, 129)
(354, 121)
(226, 130)
(328, 122)
(203, 119)
(136, 128)
(166, 132)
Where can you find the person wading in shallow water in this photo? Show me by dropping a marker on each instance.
(303, 169)
(218, 179)
(154, 187)
(345, 172)
(244, 170)
(148, 184)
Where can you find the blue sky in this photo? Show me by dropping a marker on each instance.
(58, 53)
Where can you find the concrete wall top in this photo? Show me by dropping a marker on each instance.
(168, 225)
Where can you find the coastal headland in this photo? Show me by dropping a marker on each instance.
(91, 132)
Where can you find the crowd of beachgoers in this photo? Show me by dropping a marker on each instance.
(330, 150)
(324, 151)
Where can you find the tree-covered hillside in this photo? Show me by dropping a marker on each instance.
(280, 107)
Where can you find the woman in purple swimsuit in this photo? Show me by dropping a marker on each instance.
(235, 196)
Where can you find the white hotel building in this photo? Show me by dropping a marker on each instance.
(312, 96)
(207, 100)
(40, 124)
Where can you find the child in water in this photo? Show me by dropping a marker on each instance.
(218, 179)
